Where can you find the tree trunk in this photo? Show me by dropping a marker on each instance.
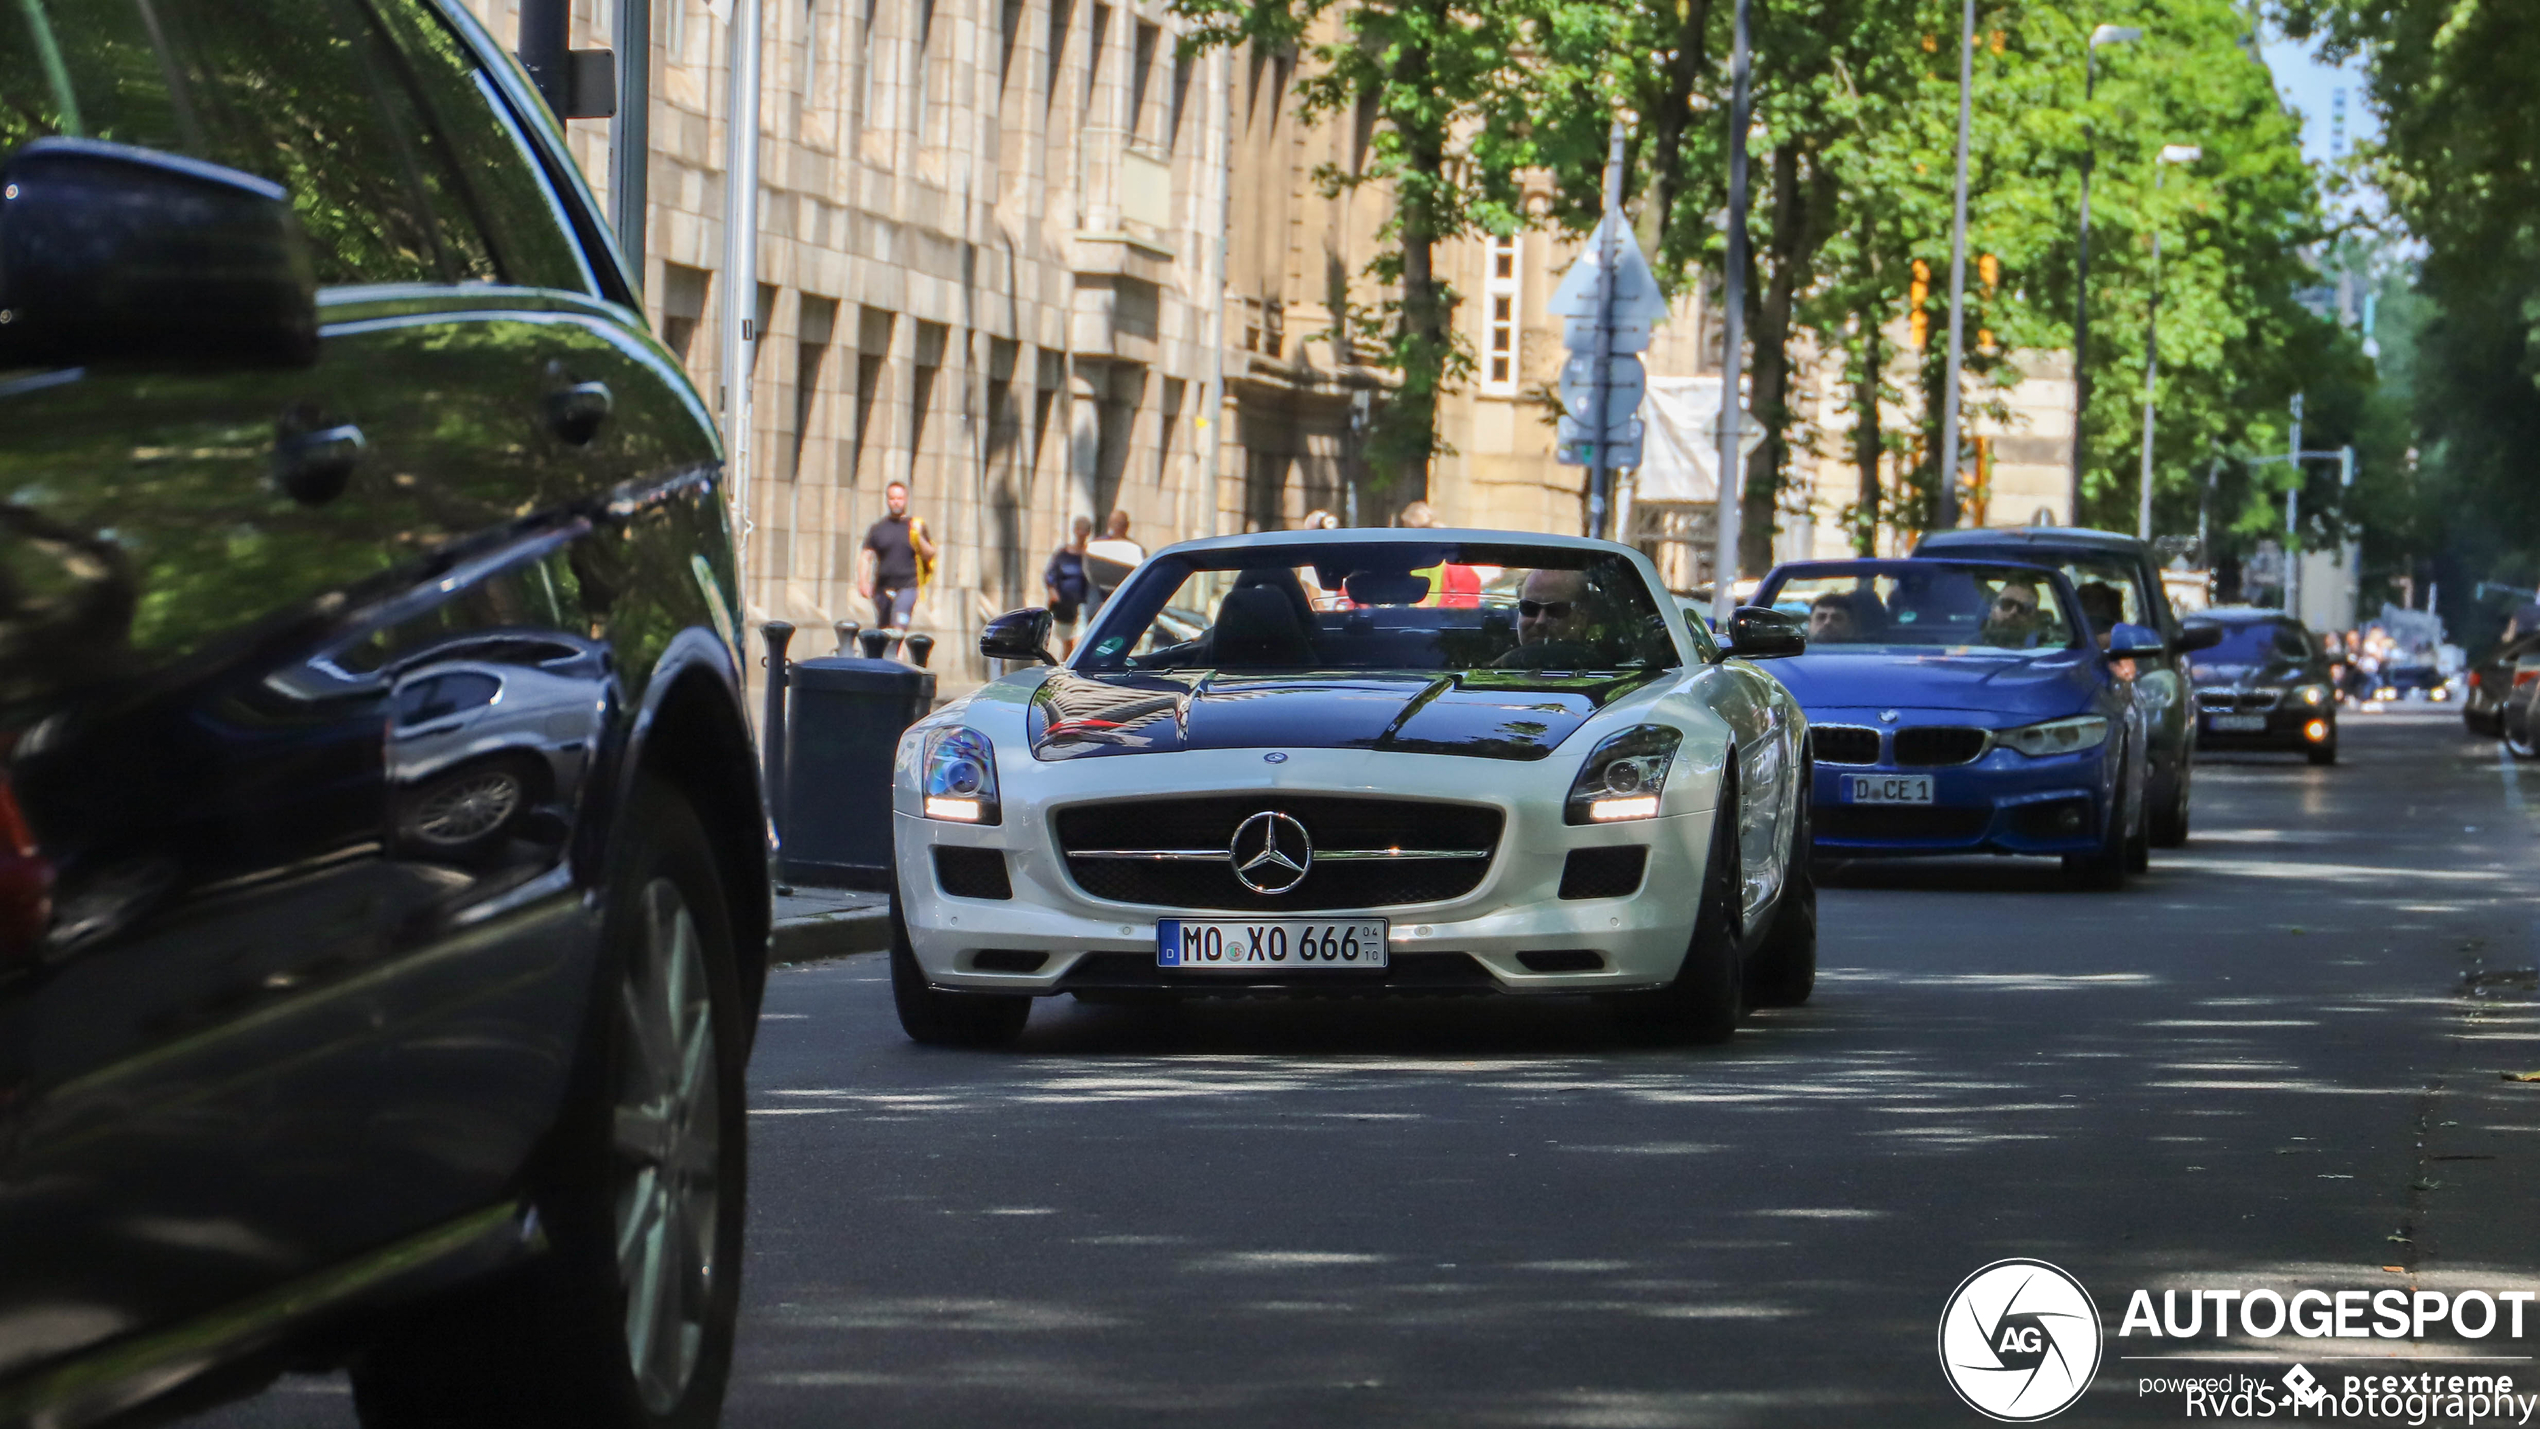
(1671, 114)
(1425, 341)
(1866, 442)
(1803, 194)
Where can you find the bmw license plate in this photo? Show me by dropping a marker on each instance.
(1252, 945)
(1887, 788)
(2236, 723)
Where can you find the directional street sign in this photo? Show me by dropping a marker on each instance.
(1573, 432)
(1637, 297)
(1617, 454)
(1625, 382)
(1579, 335)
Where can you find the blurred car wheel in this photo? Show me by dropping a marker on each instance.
(1785, 971)
(948, 1019)
(1703, 1004)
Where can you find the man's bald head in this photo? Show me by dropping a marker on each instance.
(1553, 606)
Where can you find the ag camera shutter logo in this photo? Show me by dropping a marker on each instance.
(2020, 1341)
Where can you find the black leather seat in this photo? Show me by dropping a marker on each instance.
(1257, 625)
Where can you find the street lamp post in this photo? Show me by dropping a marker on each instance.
(1946, 496)
(2104, 35)
(2170, 154)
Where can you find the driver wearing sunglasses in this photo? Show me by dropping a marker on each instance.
(2015, 619)
(1554, 622)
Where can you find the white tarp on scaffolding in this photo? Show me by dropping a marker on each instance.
(1681, 463)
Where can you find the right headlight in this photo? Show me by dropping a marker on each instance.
(960, 779)
(2057, 736)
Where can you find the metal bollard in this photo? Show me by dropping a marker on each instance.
(777, 634)
(920, 646)
(846, 635)
(873, 642)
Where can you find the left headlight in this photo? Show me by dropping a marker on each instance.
(960, 782)
(2312, 696)
(1623, 778)
(2057, 736)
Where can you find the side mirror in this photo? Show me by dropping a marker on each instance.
(110, 253)
(1759, 632)
(2198, 637)
(1018, 635)
(2134, 642)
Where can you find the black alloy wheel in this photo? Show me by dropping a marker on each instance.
(1704, 1002)
(626, 1322)
(1784, 973)
(937, 1018)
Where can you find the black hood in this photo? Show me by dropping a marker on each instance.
(1488, 714)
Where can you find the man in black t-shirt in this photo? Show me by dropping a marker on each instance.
(896, 558)
(1068, 585)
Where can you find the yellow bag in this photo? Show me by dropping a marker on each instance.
(925, 563)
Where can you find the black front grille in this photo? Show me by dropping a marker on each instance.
(1409, 973)
(1844, 744)
(1938, 744)
(971, 872)
(1334, 823)
(1899, 821)
(1603, 872)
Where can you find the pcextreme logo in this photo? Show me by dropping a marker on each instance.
(2019, 1340)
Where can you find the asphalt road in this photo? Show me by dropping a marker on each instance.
(2274, 1060)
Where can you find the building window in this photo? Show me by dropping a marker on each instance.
(1503, 289)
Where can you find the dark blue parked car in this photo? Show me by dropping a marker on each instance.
(1967, 706)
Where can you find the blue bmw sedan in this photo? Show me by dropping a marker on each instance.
(1968, 706)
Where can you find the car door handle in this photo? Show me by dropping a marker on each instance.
(576, 413)
(313, 467)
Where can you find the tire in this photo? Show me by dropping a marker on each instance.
(650, 1153)
(2169, 825)
(2519, 745)
(948, 1019)
(1784, 973)
(2104, 871)
(2138, 845)
(2324, 755)
(1702, 1006)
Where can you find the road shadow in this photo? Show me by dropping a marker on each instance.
(1984, 873)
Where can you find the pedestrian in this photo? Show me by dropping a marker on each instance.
(1319, 521)
(1109, 560)
(1068, 586)
(1418, 516)
(897, 558)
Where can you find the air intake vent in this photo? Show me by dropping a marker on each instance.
(971, 872)
(1563, 960)
(1602, 873)
(1844, 744)
(1008, 960)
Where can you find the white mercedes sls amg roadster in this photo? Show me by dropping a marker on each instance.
(1377, 762)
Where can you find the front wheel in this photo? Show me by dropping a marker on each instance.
(937, 1018)
(2169, 825)
(627, 1321)
(2104, 871)
(1703, 1004)
(2518, 741)
(2326, 754)
(1785, 970)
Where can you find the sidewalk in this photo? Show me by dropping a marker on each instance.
(818, 924)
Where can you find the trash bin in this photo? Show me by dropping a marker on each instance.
(841, 733)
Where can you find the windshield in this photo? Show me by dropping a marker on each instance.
(1383, 606)
(1925, 604)
(2255, 642)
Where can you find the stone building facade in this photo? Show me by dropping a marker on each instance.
(985, 234)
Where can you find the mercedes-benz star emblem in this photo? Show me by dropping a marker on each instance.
(1270, 853)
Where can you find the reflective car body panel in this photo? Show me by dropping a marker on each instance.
(1882, 712)
(253, 1027)
(1400, 756)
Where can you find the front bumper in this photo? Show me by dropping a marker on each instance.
(1473, 943)
(2004, 802)
(2286, 728)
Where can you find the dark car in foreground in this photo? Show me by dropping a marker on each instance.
(1966, 707)
(384, 901)
(2103, 565)
(2266, 684)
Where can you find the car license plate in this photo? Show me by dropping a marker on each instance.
(1250, 945)
(1887, 788)
(2236, 723)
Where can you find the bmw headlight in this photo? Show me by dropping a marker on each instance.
(2057, 736)
(961, 777)
(2313, 696)
(1623, 778)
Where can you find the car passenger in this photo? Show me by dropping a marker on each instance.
(2104, 608)
(1835, 619)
